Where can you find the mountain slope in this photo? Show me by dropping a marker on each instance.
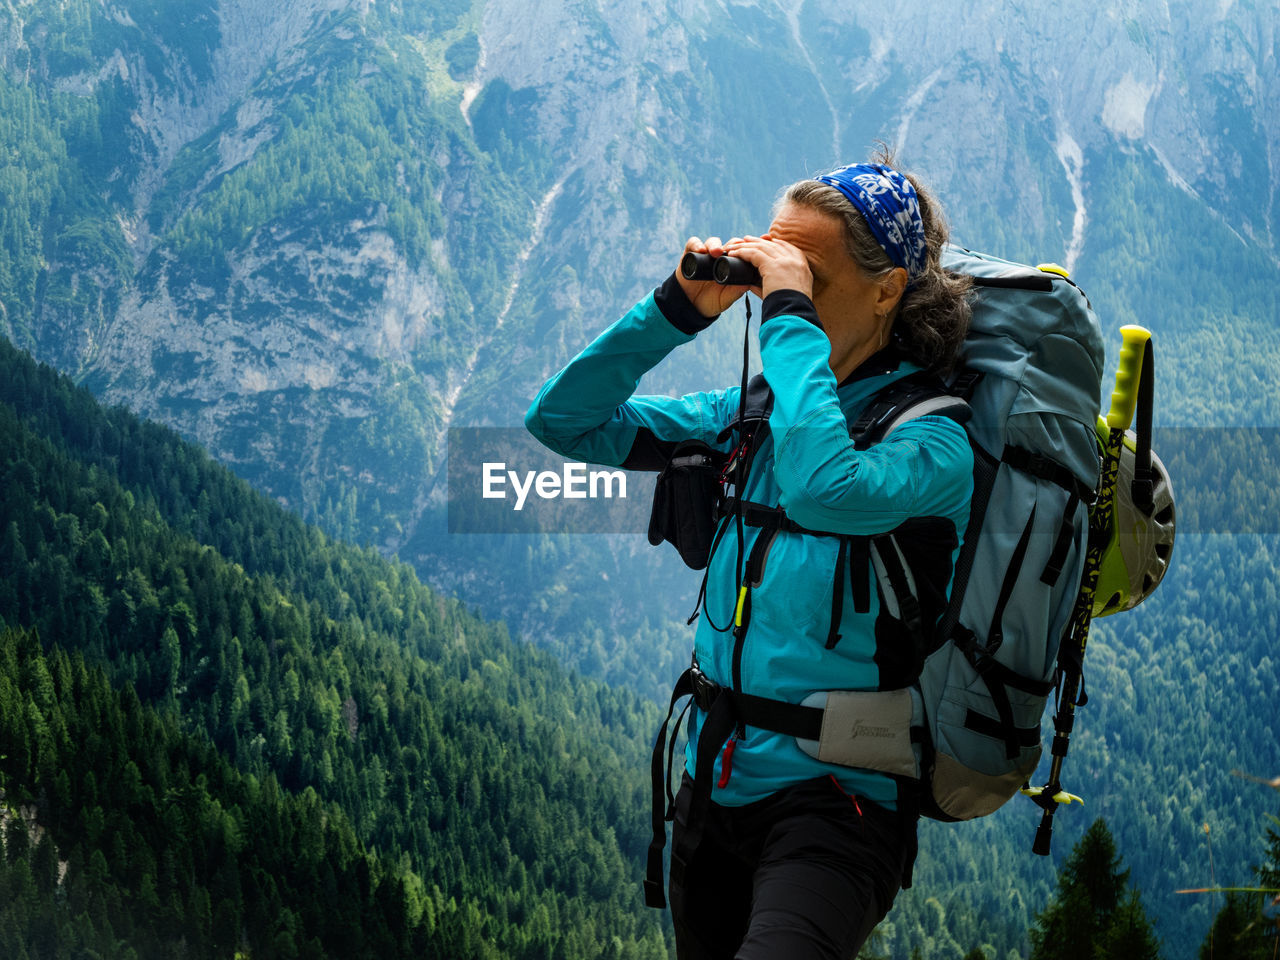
(325, 668)
(127, 837)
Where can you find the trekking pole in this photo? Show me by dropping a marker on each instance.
(1134, 351)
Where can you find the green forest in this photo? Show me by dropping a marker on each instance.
(259, 673)
(126, 836)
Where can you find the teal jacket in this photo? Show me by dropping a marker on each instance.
(808, 465)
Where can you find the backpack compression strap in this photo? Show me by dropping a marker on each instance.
(981, 655)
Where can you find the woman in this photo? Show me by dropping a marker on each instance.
(775, 852)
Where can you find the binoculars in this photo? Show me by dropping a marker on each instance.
(728, 271)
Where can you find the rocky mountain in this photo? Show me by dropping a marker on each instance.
(316, 235)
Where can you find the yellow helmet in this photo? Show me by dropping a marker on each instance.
(1141, 540)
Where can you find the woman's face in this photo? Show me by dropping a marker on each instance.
(856, 311)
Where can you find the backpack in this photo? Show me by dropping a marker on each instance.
(1031, 369)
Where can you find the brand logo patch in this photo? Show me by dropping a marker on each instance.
(866, 730)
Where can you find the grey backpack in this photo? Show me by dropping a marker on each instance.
(1031, 370)
(969, 729)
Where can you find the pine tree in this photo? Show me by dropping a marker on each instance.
(1236, 933)
(1269, 872)
(1129, 934)
(1091, 896)
(873, 948)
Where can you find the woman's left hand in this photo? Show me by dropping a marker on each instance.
(782, 265)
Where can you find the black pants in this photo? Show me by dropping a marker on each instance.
(801, 874)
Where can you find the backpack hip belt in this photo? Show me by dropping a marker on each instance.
(875, 730)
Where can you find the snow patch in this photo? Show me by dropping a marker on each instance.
(913, 104)
(1072, 159)
(1124, 111)
(471, 90)
(1174, 177)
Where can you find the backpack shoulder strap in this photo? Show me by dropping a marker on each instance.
(759, 398)
(758, 406)
(913, 396)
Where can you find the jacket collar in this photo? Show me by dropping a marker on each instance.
(873, 375)
(879, 364)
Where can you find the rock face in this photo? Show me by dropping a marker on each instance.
(315, 233)
(241, 286)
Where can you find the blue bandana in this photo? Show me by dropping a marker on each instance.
(887, 201)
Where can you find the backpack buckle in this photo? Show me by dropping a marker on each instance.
(705, 690)
(964, 384)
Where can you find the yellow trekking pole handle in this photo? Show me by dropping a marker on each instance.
(1124, 398)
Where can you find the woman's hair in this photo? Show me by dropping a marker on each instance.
(933, 315)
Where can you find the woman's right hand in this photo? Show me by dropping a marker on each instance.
(708, 297)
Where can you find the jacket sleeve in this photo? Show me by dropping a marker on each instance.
(587, 411)
(925, 468)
